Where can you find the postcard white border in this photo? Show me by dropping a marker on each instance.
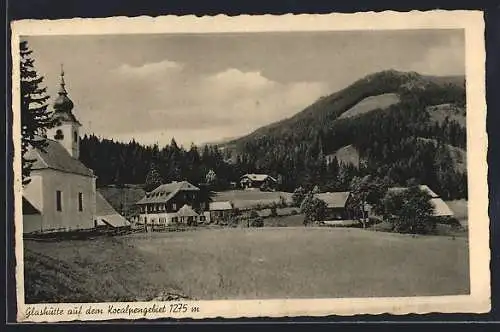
(473, 24)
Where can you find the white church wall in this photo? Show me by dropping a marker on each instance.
(70, 185)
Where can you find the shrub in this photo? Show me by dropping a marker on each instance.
(254, 214)
(409, 211)
(298, 196)
(294, 212)
(274, 212)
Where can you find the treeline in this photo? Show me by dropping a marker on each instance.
(130, 163)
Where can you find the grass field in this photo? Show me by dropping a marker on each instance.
(291, 262)
(245, 199)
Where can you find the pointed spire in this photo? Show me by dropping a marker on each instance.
(62, 102)
(62, 89)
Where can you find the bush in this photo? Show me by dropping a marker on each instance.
(274, 212)
(294, 212)
(409, 211)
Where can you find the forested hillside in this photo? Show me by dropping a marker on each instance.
(388, 139)
(414, 138)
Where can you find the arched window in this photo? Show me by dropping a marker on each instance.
(59, 134)
(75, 137)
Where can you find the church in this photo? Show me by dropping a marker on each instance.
(61, 195)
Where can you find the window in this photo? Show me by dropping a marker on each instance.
(59, 134)
(174, 206)
(58, 200)
(80, 202)
(75, 137)
(175, 219)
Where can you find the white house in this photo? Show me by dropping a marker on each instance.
(61, 195)
(257, 181)
(172, 203)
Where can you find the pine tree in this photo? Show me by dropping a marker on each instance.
(153, 179)
(35, 116)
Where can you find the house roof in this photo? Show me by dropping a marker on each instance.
(220, 206)
(106, 214)
(28, 208)
(441, 209)
(102, 206)
(422, 187)
(334, 199)
(54, 156)
(165, 192)
(186, 211)
(258, 177)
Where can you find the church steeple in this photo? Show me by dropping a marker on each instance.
(67, 130)
(62, 103)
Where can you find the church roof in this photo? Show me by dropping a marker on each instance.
(28, 208)
(54, 156)
(165, 192)
(106, 214)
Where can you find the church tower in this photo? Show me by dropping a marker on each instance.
(66, 132)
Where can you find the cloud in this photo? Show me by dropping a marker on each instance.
(444, 59)
(149, 69)
(159, 100)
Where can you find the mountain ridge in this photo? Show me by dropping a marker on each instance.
(397, 80)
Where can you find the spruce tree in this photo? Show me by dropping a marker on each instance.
(153, 179)
(35, 116)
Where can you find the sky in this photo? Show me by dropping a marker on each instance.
(208, 87)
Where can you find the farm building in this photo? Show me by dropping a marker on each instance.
(336, 204)
(220, 211)
(441, 209)
(61, 194)
(171, 203)
(258, 181)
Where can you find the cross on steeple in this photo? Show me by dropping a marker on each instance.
(62, 89)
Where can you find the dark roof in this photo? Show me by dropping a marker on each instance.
(165, 192)
(258, 177)
(56, 157)
(28, 208)
(334, 199)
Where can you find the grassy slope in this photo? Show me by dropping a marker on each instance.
(371, 103)
(458, 155)
(104, 269)
(253, 263)
(243, 199)
(438, 113)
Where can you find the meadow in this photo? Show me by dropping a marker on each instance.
(290, 262)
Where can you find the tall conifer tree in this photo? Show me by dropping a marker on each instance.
(35, 115)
